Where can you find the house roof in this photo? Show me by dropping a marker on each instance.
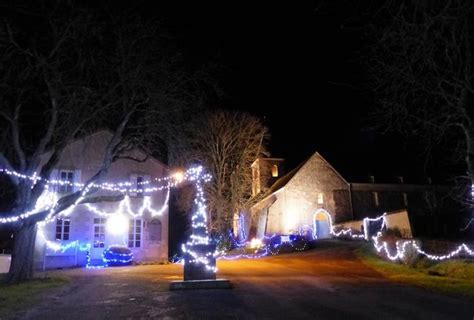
(283, 181)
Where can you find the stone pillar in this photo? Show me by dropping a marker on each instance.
(199, 271)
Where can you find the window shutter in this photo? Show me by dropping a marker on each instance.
(77, 179)
(133, 181)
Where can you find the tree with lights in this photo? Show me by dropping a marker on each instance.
(421, 65)
(199, 251)
(227, 148)
(76, 72)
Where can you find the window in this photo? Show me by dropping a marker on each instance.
(66, 175)
(320, 198)
(62, 229)
(99, 232)
(140, 185)
(274, 171)
(154, 230)
(135, 233)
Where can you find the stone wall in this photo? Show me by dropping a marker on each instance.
(294, 205)
(314, 178)
(396, 219)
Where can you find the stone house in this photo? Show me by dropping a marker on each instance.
(139, 221)
(314, 196)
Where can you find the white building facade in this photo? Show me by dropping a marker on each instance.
(138, 220)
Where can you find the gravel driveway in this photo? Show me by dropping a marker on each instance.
(323, 283)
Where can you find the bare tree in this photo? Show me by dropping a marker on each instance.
(70, 77)
(226, 143)
(421, 65)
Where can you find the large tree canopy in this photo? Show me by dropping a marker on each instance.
(421, 67)
(65, 72)
(226, 143)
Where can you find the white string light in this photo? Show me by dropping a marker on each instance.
(48, 201)
(199, 218)
(200, 235)
(402, 245)
(121, 187)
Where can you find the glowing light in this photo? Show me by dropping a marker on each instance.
(117, 224)
(48, 200)
(256, 243)
(178, 176)
(402, 245)
(117, 255)
(200, 234)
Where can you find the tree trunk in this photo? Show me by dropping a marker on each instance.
(21, 267)
(470, 172)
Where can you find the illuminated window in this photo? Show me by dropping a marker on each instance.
(135, 233)
(66, 175)
(274, 171)
(320, 198)
(62, 229)
(99, 232)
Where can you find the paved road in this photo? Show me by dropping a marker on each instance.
(323, 283)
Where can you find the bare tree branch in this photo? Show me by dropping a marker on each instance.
(421, 69)
(144, 159)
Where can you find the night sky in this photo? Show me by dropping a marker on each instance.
(300, 67)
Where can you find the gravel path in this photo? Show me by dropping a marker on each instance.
(323, 283)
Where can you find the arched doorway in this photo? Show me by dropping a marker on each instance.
(322, 224)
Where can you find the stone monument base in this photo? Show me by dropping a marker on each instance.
(200, 284)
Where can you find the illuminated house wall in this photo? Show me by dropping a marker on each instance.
(149, 241)
(291, 202)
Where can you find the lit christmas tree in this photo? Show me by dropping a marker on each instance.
(199, 252)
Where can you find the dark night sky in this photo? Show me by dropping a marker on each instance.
(298, 66)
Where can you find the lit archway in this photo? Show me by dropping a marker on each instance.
(322, 224)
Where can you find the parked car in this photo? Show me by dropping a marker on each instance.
(117, 256)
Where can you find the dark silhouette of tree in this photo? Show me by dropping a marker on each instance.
(421, 67)
(226, 143)
(65, 72)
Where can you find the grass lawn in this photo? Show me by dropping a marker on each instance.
(454, 277)
(19, 295)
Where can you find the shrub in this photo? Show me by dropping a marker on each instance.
(223, 242)
(411, 256)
